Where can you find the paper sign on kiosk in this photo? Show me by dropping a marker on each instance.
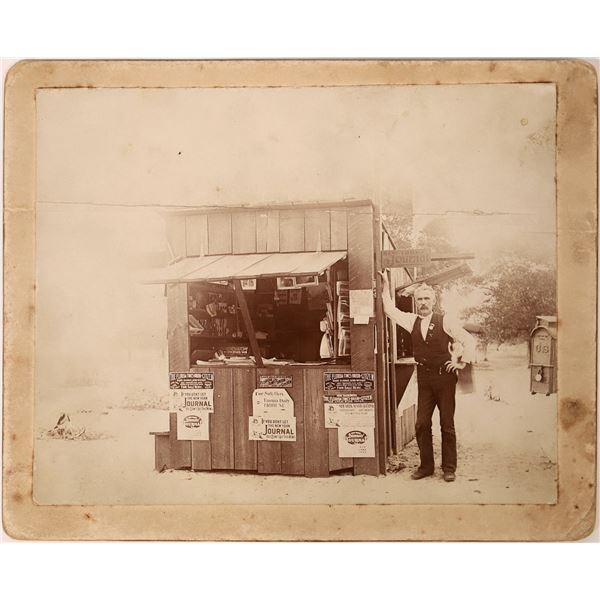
(191, 400)
(274, 402)
(356, 442)
(361, 306)
(272, 429)
(195, 380)
(192, 425)
(361, 320)
(352, 414)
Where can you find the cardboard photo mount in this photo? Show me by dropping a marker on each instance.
(572, 517)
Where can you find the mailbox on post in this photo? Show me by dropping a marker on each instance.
(542, 356)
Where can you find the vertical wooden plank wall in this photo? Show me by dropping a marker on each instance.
(201, 450)
(221, 422)
(292, 453)
(339, 228)
(196, 235)
(316, 437)
(382, 393)
(219, 233)
(267, 231)
(162, 452)
(291, 230)
(177, 330)
(175, 229)
(360, 273)
(243, 232)
(406, 425)
(317, 230)
(250, 231)
(269, 453)
(181, 450)
(335, 462)
(244, 450)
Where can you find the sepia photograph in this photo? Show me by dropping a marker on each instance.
(337, 291)
(415, 227)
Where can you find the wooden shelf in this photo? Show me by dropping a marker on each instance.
(223, 337)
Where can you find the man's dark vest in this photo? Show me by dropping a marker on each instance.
(433, 351)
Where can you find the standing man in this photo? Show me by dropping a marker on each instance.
(433, 336)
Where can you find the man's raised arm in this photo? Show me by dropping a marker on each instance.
(406, 320)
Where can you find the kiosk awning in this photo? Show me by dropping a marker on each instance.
(244, 266)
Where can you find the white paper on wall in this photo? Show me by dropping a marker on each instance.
(356, 442)
(192, 425)
(272, 429)
(272, 402)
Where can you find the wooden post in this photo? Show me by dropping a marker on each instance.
(382, 395)
(237, 286)
(362, 337)
(177, 334)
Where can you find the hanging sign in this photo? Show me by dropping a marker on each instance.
(347, 380)
(356, 442)
(412, 257)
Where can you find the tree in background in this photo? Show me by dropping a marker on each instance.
(398, 220)
(397, 217)
(516, 290)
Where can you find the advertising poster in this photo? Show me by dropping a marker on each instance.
(272, 429)
(194, 400)
(191, 381)
(356, 442)
(361, 306)
(275, 381)
(192, 425)
(274, 402)
(349, 381)
(349, 414)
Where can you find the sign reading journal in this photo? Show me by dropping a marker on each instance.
(272, 418)
(192, 400)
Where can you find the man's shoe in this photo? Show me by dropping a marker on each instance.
(449, 476)
(419, 474)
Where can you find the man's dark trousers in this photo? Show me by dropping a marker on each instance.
(436, 389)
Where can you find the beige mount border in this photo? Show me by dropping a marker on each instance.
(576, 170)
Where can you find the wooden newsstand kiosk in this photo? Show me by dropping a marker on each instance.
(215, 254)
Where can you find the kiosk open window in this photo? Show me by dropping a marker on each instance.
(293, 319)
(265, 308)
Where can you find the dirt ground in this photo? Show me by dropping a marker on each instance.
(506, 454)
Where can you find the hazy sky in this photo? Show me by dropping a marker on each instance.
(488, 148)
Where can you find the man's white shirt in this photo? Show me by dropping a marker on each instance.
(452, 327)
